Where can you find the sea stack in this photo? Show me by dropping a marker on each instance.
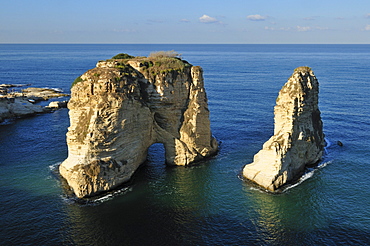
(298, 139)
(122, 107)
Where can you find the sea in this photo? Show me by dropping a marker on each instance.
(207, 203)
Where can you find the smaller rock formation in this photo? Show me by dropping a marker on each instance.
(40, 94)
(17, 104)
(298, 139)
(17, 107)
(57, 105)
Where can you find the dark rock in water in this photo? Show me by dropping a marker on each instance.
(340, 143)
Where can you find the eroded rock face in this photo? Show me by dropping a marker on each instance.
(298, 138)
(122, 107)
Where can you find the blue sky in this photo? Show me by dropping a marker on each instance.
(200, 21)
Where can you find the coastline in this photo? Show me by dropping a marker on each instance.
(18, 102)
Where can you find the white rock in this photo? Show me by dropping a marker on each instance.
(117, 113)
(298, 138)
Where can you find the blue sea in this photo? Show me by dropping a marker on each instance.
(207, 203)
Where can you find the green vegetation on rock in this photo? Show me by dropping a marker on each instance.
(123, 56)
(162, 62)
(125, 68)
(159, 62)
(77, 80)
(166, 64)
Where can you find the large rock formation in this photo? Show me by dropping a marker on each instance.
(298, 139)
(122, 107)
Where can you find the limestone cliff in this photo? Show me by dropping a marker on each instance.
(298, 138)
(122, 107)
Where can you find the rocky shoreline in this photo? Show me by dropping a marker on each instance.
(16, 102)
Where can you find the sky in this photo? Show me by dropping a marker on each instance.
(185, 22)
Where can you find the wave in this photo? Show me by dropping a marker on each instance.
(54, 88)
(7, 122)
(309, 174)
(328, 143)
(72, 199)
(54, 167)
(310, 171)
(111, 195)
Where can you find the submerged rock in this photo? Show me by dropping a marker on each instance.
(298, 139)
(122, 107)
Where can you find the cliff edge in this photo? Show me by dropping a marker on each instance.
(298, 139)
(122, 107)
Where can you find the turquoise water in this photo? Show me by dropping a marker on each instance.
(204, 204)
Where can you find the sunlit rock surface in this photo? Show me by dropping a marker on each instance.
(122, 107)
(298, 138)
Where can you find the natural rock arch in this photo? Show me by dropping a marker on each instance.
(122, 107)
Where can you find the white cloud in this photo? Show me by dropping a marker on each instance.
(208, 19)
(184, 20)
(277, 29)
(303, 28)
(368, 16)
(367, 27)
(310, 28)
(124, 30)
(155, 21)
(256, 17)
(322, 28)
(297, 28)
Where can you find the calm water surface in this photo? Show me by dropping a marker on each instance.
(204, 204)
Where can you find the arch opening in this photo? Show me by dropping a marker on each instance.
(156, 155)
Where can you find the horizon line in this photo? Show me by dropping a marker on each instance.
(183, 43)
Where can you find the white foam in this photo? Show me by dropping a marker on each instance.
(110, 196)
(54, 166)
(328, 142)
(301, 180)
(97, 201)
(324, 164)
(307, 175)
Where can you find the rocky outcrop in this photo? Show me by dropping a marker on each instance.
(57, 105)
(17, 104)
(17, 107)
(122, 107)
(298, 139)
(39, 94)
